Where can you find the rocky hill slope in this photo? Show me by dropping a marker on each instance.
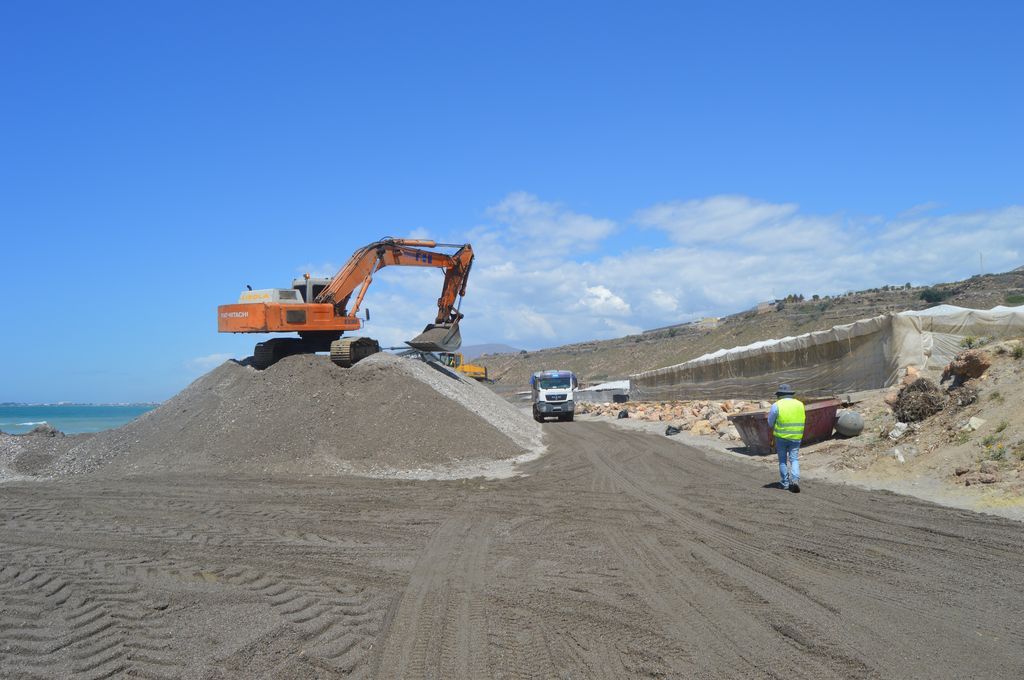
(597, 361)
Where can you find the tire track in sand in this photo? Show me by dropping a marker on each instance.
(93, 626)
(437, 627)
(730, 614)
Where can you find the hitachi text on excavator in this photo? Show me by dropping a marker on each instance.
(320, 310)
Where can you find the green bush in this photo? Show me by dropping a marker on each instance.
(1018, 350)
(1014, 299)
(933, 295)
(969, 342)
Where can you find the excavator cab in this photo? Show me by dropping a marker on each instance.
(309, 287)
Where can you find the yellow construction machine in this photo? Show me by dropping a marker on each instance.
(456, 361)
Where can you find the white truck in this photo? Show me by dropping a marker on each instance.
(553, 393)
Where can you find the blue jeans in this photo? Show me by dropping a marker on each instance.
(789, 460)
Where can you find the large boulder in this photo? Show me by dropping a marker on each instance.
(45, 430)
(702, 427)
(966, 365)
(717, 419)
(729, 432)
(849, 423)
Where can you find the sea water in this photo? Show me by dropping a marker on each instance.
(69, 418)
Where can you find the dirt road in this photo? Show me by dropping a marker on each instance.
(620, 555)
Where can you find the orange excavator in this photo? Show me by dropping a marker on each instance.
(320, 310)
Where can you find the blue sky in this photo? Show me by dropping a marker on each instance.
(616, 166)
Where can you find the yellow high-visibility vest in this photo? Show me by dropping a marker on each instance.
(790, 422)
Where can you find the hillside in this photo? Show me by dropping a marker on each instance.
(596, 361)
(471, 352)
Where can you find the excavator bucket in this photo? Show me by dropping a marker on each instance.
(441, 337)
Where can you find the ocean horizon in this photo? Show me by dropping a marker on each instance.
(69, 418)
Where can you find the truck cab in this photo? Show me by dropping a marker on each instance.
(553, 395)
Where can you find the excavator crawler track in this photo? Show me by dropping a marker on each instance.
(271, 351)
(349, 351)
(268, 353)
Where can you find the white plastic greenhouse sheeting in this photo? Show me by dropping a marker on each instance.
(603, 393)
(862, 355)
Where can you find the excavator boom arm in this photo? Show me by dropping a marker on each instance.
(358, 273)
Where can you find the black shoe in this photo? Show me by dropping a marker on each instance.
(794, 487)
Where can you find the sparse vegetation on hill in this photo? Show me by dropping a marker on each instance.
(597, 360)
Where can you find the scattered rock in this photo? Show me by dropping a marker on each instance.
(912, 374)
(716, 419)
(624, 413)
(972, 424)
(989, 467)
(729, 433)
(903, 453)
(670, 430)
(44, 430)
(702, 427)
(963, 395)
(711, 411)
(971, 363)
(988, 478)
(961, 471)
(898, 430)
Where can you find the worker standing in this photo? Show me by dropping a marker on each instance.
(786, 419)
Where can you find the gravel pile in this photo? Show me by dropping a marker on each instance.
(386, 416)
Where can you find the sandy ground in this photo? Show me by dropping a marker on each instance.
(860, 462)
(937, 459)
(618, 555)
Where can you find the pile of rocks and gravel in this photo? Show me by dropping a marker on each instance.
(386, 416)
(696, 417)
(34, 453)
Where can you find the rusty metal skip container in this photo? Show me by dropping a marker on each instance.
(757, 436)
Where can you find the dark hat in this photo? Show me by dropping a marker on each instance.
(784, 390)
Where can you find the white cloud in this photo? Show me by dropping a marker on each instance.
(323, 270)
(599, 300)
(545, 275)
(663, 300)
(205, 363)
(525, 323)
(712, 219)
(549, 228)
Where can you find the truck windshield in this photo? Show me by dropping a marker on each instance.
(554, 383)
